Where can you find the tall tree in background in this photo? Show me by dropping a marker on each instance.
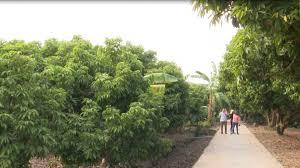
(211, 89)
(276, 25)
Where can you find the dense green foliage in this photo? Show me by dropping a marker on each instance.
(30, 108)
(261, 68)
(256, 89)
(85, 102)
(197, 103)
(176, 94)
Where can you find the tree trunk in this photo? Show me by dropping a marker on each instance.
(280, 130)
(268, 119)
(103, 163)
(280, 123)
(271, 118)
(209, 113)
(212, 107)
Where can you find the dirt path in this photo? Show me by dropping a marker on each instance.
(286, 148)
(242, 150)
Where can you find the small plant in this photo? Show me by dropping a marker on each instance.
(54, 162)
(202, 129)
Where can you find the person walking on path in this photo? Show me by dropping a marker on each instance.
(236, 119)
(231, 124)
(223, 120)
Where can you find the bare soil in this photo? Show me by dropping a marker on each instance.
(286, 148)
(48, 162)
(186, 151)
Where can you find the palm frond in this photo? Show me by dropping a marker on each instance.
(201, 75)
(214, 67)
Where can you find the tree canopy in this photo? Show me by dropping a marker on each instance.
(260, 72)
(84, 102)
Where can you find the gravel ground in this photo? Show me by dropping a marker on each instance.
(285, 148)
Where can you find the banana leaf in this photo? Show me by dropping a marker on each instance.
(158, 88)
(160, 78)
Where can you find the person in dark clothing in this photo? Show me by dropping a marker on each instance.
(231, 125)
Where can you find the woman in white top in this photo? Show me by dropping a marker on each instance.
(223, 120)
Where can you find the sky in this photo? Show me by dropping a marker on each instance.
(172, 29)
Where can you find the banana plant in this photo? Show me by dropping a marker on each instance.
(214, 97)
